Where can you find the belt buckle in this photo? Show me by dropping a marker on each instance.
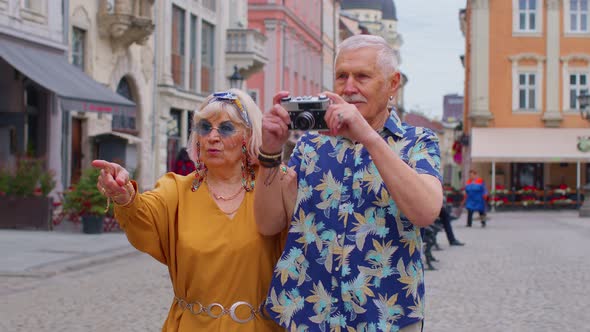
(232, 312)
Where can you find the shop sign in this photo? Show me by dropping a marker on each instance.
(584, 143)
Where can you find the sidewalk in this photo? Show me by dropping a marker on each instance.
(46, 253)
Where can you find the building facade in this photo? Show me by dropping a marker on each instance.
(294, 47)
(451, 147)
(525, 64)
(199, 46)
(41, 91)
(112, 41)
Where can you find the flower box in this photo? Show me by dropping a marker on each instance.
(26, 212)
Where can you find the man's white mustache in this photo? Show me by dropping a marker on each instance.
(354, 99)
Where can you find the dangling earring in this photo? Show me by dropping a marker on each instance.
(248, 174)
(201, 170)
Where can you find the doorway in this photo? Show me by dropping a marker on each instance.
(77, 156)
(527, 174)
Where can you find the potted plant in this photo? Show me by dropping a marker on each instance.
(25, 196)
(84, 202)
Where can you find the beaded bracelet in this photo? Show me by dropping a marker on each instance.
(270, 160)
(271, 155)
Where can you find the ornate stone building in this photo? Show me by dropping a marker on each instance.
(47, 106)
(111, 40)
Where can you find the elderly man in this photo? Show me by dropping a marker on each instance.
(353, 200)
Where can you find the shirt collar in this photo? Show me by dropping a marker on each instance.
(393, 124)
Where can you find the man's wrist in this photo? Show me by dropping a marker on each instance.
(371, 139)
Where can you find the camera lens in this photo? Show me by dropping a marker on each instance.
(304, 121)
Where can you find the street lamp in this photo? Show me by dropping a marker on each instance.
(584, 101)
(236, 79)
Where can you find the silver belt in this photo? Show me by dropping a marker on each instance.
(197, 308)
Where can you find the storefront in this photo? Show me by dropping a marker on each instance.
(532, 167)
(39, 91)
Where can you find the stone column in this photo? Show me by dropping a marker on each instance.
(270, 72)
(164, 47)
(552, 116)
(479, 108)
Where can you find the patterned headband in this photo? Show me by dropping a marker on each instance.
(231, 98)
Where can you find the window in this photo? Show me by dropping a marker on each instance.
(173, 142)
(78, 48)
(576, 16)
(193, 55)
(527, 81)
(578, 84)
(34, 10)
(527, 86)
(189, 121)
(178, 46)
(254, 95)
(209, 4)
(27, 4)
(207, 57)
(123, 119)
(527, 16)
(34, 5)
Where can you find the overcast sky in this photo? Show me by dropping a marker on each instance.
(430, 52)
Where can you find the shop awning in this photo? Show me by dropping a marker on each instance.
(128, 137)
(528, 145)
(76, 90)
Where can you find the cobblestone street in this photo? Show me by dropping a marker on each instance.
(525, 272)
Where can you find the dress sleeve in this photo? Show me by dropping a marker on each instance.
(425, 155)
(146, 219)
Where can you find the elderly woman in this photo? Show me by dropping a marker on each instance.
(202, 225)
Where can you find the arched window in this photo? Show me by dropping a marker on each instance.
(123, 119)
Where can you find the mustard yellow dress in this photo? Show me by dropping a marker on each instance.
(210, 257)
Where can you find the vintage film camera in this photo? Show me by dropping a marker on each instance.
(306, 112)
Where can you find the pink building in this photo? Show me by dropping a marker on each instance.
(293, 47)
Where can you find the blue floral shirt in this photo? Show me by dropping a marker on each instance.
(352, 260)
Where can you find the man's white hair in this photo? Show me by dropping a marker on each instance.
(387, 57)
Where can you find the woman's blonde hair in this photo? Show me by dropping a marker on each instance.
(211, 107)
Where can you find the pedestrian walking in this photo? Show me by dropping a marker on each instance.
(202, 227)
(475, 198)
(183, 164)
(445, 219)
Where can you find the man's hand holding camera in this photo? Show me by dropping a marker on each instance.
(338, 118)
(344, 119)
(275, 125)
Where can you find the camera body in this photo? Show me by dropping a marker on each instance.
(306, 112)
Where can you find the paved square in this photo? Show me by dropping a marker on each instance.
(525, 272)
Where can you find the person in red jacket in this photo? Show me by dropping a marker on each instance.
(184, 165)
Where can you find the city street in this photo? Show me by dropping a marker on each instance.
(523, 272)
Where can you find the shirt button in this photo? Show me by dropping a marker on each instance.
(335, 300)
(337, 269)
(339, 236)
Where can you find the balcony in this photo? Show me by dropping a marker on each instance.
(245, 48)
(126, 21)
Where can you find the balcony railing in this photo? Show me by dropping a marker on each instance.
(245, 41)
(126, 21)
(245, 48)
